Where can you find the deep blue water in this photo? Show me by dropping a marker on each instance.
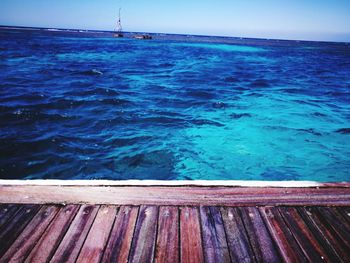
(85, 107)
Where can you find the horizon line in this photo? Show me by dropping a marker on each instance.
(167, 33)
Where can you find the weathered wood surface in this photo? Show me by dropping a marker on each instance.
(191, 249)
(143, 244)
(94, 245)
(195, 196)
(72, 242)
(118, 247)
(167, 246)
(227, 231)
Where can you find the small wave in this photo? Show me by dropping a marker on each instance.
(311, 131)
(343, 131)
(92, 72)
(207, 122)
(240, 115)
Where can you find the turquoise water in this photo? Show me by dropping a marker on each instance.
(83, 107)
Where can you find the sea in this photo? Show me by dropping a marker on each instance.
(86, 105)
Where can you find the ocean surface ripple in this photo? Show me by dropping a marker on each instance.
(80, 107)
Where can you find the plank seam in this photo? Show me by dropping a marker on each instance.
(179, 233)
(198, 208)
(302, 249)
(65, 232)
(110, 233)
(87, 234)
(133, 232)
(38, 209)
(325, 243)
(223, 223)
(271, 235)
(12, 216)
(156, 237)
(239, 212)
(36, 242)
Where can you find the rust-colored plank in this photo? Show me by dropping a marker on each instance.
(335, 220)
(167, 247)
(237, 238)
(326, 234)
(190, 235)
(143, 244)
(167, 195)
(6, 212)
(259, 237)
(14, 227)
(72, 242)
(53, 235)
(214, 238)
(96, 240)
(27, 239)
(306, 239)
(118, 246)
(289, 248)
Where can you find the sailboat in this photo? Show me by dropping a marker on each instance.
(119, 29)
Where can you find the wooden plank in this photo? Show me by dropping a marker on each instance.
(175, 195)
(167, 246)
(345, 212)
(214, 237)
(143, 244)
(306, 239)
(14, 227)
(335, 221)
(72, 242)
(52, 237)
(289, 248)
(97, 238)
(118, 246)
(26, 240)
(191, 250)
(7, 212)
(237, 238)
(259, 237)
(325, 234)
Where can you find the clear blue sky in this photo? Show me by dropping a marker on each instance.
(287, 19)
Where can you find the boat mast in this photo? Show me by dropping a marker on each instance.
(119, 24)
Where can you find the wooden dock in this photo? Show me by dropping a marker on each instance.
(174, 224)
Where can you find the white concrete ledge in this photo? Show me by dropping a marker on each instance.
(217, 183)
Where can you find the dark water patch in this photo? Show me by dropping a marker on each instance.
(254, 94)
(280, 174)
(319, 114)
(121, 142)
(343, 131)
(114, 102)
(260, 83)
(240, 115)
(146, 166)
(311, 131)
(95, 91)
(32, 116)
(219, 105)
(206, 122)
(231, 79)
(166, 65)
(133, 72)
(91, 72)
(200, 94)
